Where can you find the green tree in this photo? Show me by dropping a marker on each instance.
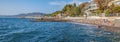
(56, 13)
(117, 9)
(71, 10)
(67, 9)
(108, 12)
(98, 12)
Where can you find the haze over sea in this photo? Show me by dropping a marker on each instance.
(22, 30)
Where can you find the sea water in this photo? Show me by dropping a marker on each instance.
(23, 30)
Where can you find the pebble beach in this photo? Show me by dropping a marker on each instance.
(106, 24)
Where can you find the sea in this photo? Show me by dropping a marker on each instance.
(23, 30)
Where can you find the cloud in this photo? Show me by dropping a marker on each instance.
(77, 2)
(64, 3)
(57, 3)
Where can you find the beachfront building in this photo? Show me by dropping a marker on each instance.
(114, 2)
(59, 15)
(92, 6)
(89, 9)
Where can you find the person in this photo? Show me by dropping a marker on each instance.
(41, 18)
(105, 20)
(99, 26)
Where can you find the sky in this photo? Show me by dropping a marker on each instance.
(14, 7)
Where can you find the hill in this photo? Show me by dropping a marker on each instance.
(23, 15)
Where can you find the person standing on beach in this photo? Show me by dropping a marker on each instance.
(105, 20)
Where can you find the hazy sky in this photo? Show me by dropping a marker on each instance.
(13, 7)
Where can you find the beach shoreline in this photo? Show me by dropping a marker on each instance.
(108, 24)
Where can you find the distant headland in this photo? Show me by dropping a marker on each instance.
(24, 15)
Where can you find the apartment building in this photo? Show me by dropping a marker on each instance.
(89, 9)
(115, 2)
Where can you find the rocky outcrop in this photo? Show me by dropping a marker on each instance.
(50, 20)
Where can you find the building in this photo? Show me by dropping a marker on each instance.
(92, 6)
(89, 9)
(114, 2)
(59, 15)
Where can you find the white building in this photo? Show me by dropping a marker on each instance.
(115, 2)
(90, 7)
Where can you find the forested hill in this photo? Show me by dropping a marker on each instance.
(35, 14)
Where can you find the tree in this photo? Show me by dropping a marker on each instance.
(71, 10)
(56, 13)
(108, 12)
(116, 9)
(102, 4)
(98, 12)
(67, 9)
(74, 9)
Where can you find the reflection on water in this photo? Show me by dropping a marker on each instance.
(22, 30)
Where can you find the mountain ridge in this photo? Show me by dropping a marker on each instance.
(34, 14)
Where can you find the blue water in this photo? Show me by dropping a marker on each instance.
(22, 30)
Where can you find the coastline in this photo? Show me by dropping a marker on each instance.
(49, 19)
(105, 24)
